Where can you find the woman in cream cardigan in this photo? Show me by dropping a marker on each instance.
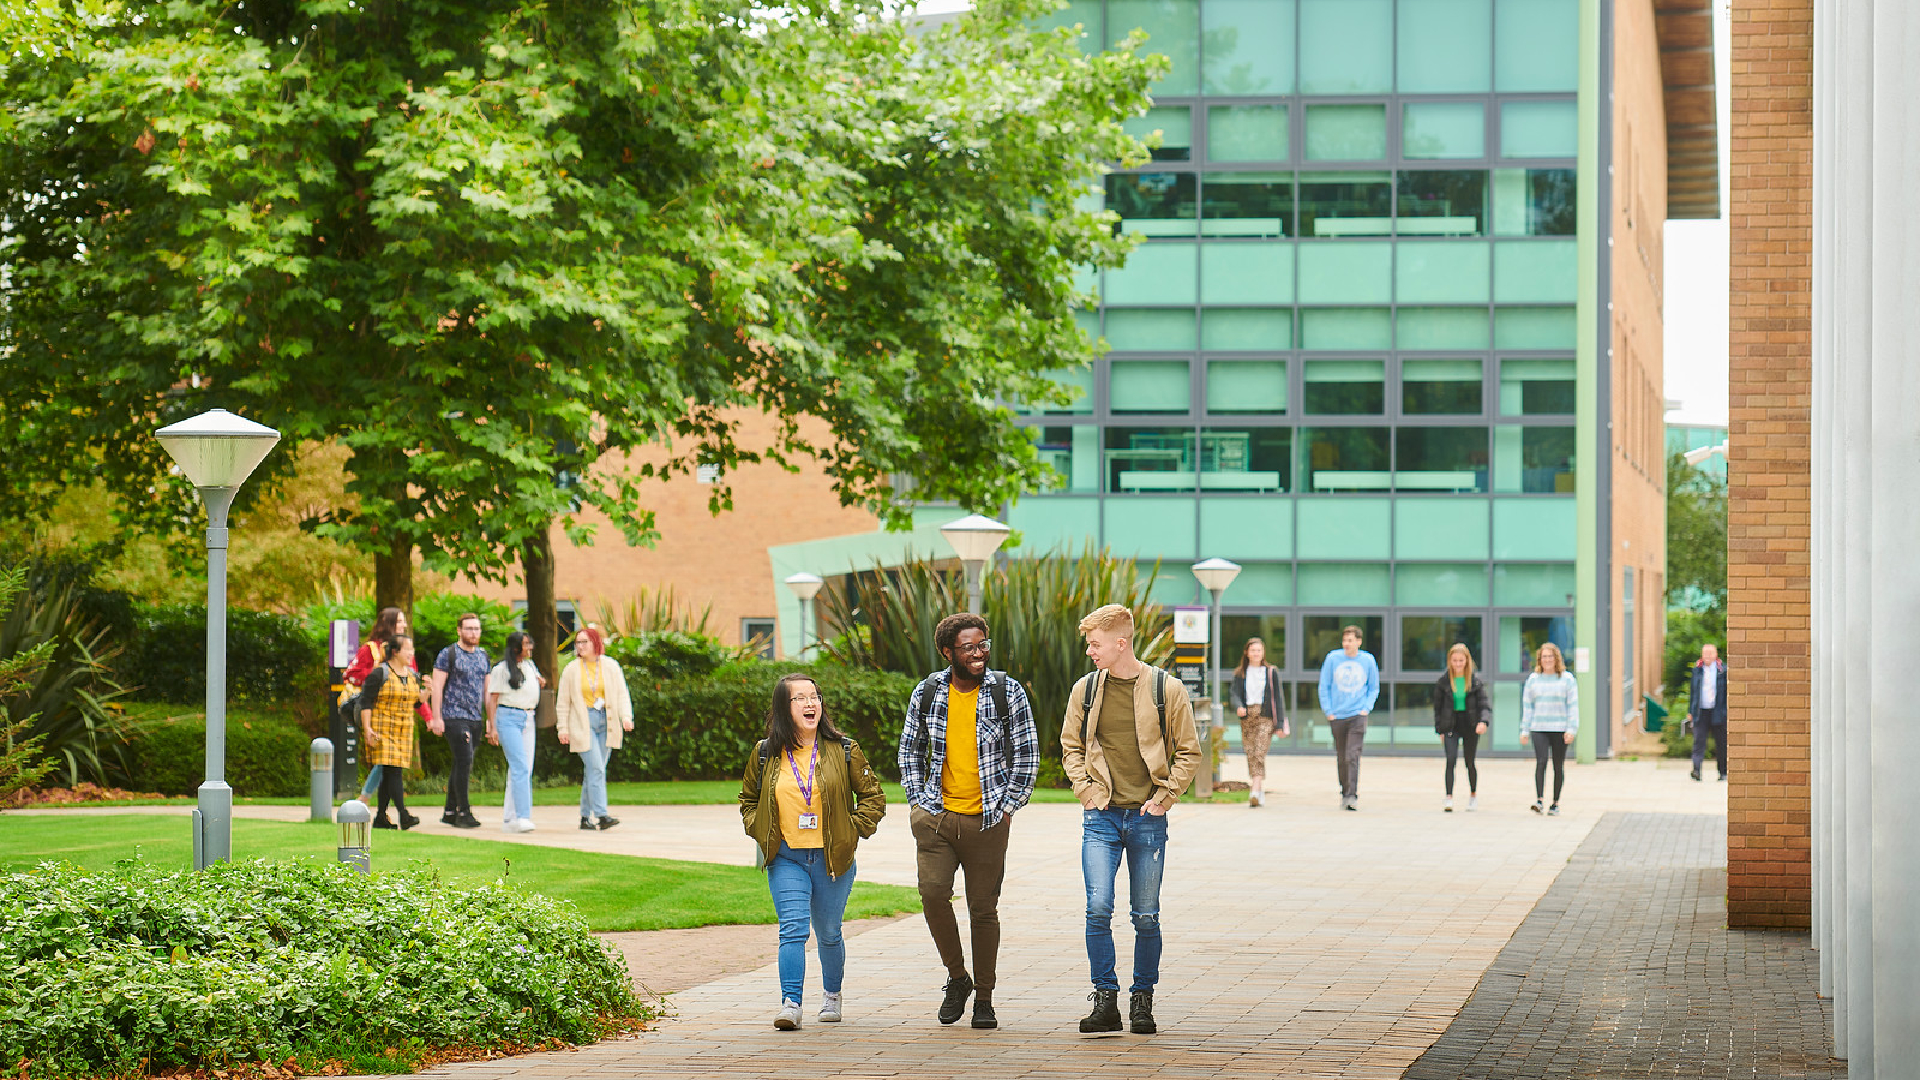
(593, 708)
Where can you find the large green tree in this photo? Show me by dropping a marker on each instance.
(1696, 537)
(491, 246)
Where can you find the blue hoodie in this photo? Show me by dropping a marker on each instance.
(1348, 685)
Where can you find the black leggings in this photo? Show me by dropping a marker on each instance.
(1545, 743)
(1456, 743)
(393, 788)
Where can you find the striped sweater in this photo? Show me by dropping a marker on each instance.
(1550, 703)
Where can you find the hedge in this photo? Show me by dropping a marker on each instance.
(269, 657)
(266, 758)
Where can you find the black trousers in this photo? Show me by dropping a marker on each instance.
(1455, 745)
(1545, 744)
(393, 789)
(1702, 730)
(463, 737)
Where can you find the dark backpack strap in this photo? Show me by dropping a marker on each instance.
(1086, 701)
(1000, 710)
(760, 751)
(1160, 704)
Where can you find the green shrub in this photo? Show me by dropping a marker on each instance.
(269, 657)
(435, 621)
(134, 970)
(61, 703)
(266, 757)
(668, 654)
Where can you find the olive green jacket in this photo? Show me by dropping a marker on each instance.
(849, 811)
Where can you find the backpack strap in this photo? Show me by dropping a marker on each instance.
(1160, 704)
(761, 752)
(1000, 711)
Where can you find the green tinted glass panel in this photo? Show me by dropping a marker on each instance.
(1452, 459)
(1247, 528)
(1536, 585)
(1247, 386)
(1425, 639)
(1148, 386)
(1055, 524)
(1246, 329)
(1436, 202)
(1441, 328)
(1088, 322)
(1246, 273)
(1172, 586)
(1345, 329)
(1260, 583)
(1547, 460)
(1157, 204)
(1155, 274)
(1346, 387)
(1445, 46)
(1173, 29)
(1074, 453)
(1345, 459)
(1245, 461)
(1247, 204)
(1247, 133)
(1536, 271)
(1151, 330)
(1443, 129)
(1534, 528)
(1532, 328)
(1143, 459)
(1085, 13)
(1076, 381)
(1442, 273)
(1346, 132)
(1248, 47)
(1346, 204)
(1153, 527)
(1537, 46)
(1537, 387)
(1440, 387)
(1535, 202)
(1356, 273)
(1440, 528)
(1171, 126)
(1537, 129)
(1346, 46)
(1326, 584)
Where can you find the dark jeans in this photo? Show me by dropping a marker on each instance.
(393, 789)
(1455, 745)
(1701, 730)
(462, 737)
(1348, 737)
(1549, 744)
(947, 842)
(1105, 836)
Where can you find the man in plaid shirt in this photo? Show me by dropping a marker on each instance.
(969, 756)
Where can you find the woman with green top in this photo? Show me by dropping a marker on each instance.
(1461, 714)
(808, 798)
(1549, 717)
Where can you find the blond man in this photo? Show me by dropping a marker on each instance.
(1129, 745)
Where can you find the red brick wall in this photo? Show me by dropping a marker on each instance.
(1769, 873)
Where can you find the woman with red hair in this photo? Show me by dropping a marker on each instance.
(593, 709)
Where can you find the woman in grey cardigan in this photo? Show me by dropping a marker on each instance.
(1256, 701)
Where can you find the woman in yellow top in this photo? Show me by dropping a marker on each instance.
(388, 701)
(808, 798)
(593, 710)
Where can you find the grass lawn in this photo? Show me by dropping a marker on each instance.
(614, 892)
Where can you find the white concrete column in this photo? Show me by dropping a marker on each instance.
(1820, 548)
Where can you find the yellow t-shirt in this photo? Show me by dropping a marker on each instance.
(792, 803)
(960, 773)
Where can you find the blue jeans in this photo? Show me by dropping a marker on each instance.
(805, 896)
(373, 783)
(593, 762)
(512, 725)
(1105, 835)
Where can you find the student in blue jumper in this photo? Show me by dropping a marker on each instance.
(1349, 685)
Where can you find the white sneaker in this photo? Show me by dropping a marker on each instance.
(1448, 805)
(830, 1007)
(788, 1018)
(519, 825)
(1473, 802)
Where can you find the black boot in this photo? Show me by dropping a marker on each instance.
(955, 1002)
(1140, 1013)
(1106, 1011)
(381, 821)
(983, 1016)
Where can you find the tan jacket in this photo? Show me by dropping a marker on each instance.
(1086, 764)
(850, 806)
(570, 707)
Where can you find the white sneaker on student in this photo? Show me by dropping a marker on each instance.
(1473, 802)
(830, 1007)
(1448, 805)
(788, 1018)
(521, 825)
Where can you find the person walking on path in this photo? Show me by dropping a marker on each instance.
(1256, 701)
(372, 653)
(1707, 709)
(808, 797)
(513, 694)
(1129, 745)
(969, 757)
(1550, 717)
(388, 707)
(594, 710)
(1349, 686)
(1461, 713)
(459, 687)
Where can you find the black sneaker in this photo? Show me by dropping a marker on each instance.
(1695, 774)
(983, 1016)
(609, 822)
(466, 821)
(408, 821)
(587, 823)
(381, 822)
(1140, 1013)
(1106, 1012)
(955, 1003)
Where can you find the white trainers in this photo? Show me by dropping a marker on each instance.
(788, 1018)
(830, 1007)
(1448, 805)
(518, 825)
(1473, 802)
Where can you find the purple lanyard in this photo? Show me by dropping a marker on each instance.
(805, 786)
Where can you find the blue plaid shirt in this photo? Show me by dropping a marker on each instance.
(1007, 773)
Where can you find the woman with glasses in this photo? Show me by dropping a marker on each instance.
(808, 797)
(594, 709)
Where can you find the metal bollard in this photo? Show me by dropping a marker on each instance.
(320, 788)
(356, 835)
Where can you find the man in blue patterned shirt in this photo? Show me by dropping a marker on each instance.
(459, 682)
(969, 756)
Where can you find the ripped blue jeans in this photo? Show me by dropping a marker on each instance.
(1142, 838)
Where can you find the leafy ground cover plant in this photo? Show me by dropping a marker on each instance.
(136, 970)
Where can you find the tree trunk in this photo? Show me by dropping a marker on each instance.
(543, 617)
(393, 578)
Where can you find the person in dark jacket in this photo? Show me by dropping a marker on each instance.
(1461, 713)
(1707, 709)
(1256, 700)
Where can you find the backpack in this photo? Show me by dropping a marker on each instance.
(762, 754)
(1159, 703)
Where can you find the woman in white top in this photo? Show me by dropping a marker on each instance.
(1256, 700)
(1549, 717)
(513, 695)
(593, 709)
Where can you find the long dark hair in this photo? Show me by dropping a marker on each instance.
(385, 625)
(1241, 671)
(516, 642)
(780, 736)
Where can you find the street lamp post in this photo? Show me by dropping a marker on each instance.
(216, 451)
(974, 538)
(1215, 575)
(805, 586)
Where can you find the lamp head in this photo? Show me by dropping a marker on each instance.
(217, 449)
(975, 538)
(804, 585)
(1216, 574)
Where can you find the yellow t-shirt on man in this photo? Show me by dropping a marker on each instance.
(960, 773)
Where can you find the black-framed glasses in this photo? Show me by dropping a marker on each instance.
(982, 647)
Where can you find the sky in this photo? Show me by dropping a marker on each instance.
(1696, 272)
